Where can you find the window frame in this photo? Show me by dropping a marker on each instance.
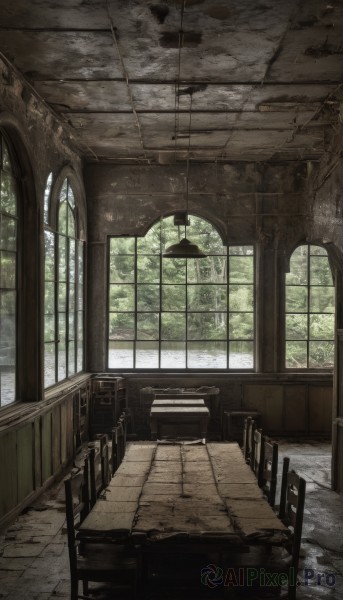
(308, 285)
(228, 338)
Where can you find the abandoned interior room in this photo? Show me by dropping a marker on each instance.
(171, 299)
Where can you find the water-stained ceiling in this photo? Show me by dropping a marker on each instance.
(247, 79)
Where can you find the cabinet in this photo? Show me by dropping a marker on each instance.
(109, 400)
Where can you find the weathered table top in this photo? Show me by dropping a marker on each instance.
(195, 411)
(163, 491)
(178, 402)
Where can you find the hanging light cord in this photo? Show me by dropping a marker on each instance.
(189, 151)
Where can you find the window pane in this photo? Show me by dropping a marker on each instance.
(8, 233)
(298, 267)
(241, 250)
(8, 196)
(296, 299)
(62, 358)
(62, 218)
(122, 326)
(322, 299)
(241, 355)
(150, 244)
(122, 245)
(296, 327)
(148, 269)
(321, 355)
(241, 298)
(211, 269)
(148, 297)
(241, 326)
(62, 329)
(8, 270)
(120, 355)
(320, 272)
(296, 355)
(174, 297)
(321, 327)
(147, 355)
(79, 359)
(173, 355)
(80, 317)
(208, 326)
(62, 258)
(122, 297)
(207, 297)
(173, 326)
(206, 355)
(72, 260)
(71, 326)
(71, 358)
(148, 326)
(241, 269)
(71, 223)
(49, 364)
(62, 297)
(7, 385)
(71, 199)
(49, 328)
(174, 271)
(47, 198)
(7, 340)
(49, 256)
(8, 303)
(122, 269)
(202, 233)
(49, 298)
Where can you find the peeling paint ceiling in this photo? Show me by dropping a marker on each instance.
(156, 81)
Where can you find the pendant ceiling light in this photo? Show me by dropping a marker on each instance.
(184, 248)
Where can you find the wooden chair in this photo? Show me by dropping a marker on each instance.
(99, 468)
(94, 561)
(269, 467)
(283, 491)
(248, 437)
(118, 444)
(285, 557)
(257, 455)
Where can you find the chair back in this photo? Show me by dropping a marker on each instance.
(118, 443)
(248, 438)
(294, 513)
(283, 492)
(257, 455)
(76, 489)
(269, 469)
(99, 468)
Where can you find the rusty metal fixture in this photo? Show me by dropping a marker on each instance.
(183, 249)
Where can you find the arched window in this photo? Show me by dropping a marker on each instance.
(310, 310)
(8, 275)
(180, 313)
(64, 292)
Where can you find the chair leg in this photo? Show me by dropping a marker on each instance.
(74, 589)
(85, 588)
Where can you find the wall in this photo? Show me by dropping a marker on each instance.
(37, 440)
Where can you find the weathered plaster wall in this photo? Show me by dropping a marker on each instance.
(257, 203)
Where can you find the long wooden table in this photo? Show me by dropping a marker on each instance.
(183, 491)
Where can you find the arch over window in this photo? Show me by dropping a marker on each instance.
(180, 313)
(309, 310)
(8, 274)
(64, 292)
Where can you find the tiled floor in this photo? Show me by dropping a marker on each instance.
(34, 556)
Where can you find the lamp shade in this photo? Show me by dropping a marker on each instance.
(183, 249)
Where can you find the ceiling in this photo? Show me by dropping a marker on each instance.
(247, 79)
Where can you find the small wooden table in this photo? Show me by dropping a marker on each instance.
(178, 402)
(178, 421)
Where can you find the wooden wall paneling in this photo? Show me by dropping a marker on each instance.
(64, 432)
(8, 472)
(46, 433)
(320, 409)
(268, 400)
(25, 461)
(56, 438)
(37, 453)
(70, 428)
(295, 408)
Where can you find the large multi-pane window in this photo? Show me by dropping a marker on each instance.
(64, 292)
(310, 308)
(8, 275)
(180, 313)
